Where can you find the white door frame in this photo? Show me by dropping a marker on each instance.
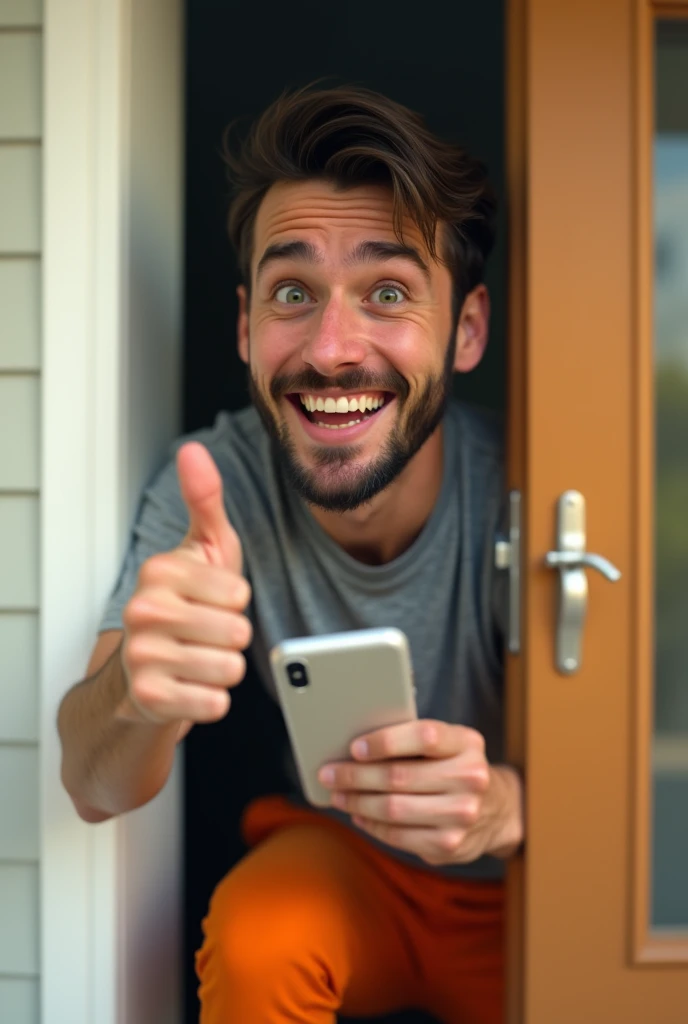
(112, 344)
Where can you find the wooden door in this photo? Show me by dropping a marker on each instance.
(599, 404)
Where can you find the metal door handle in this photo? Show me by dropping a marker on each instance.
(571, 559)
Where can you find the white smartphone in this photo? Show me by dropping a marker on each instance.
(335, 688)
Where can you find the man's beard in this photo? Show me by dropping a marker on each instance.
(350, 487)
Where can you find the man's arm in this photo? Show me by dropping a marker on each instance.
(111, 762)
(171, 665)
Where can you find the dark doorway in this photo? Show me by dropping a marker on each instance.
(447, 62)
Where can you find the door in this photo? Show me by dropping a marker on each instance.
(598, 178)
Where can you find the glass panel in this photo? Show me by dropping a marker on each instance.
(670, 762)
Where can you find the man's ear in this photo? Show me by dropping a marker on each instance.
(242, 323)
(472, 330)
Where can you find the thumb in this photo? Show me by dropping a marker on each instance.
(209, 526)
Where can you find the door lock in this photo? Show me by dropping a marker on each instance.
(571, 559)
(508, 557)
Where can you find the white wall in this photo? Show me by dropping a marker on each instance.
(20, 497)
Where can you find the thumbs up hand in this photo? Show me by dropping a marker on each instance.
(184, 627)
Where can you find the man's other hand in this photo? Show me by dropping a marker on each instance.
(426, 787)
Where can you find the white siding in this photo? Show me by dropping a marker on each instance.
(18, 552)
(19, 432)
(18, 803)
(20, 320)
(20, 85)
(18, 677)
(19, 920)
(15, 13)
(20, 363)
(20, 195)
(19, 1001)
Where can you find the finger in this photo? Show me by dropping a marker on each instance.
(422, 738)
(432, 845)
(182, 574)
(437, 810)
(456, 774)
(165, 613)
(164, 656)
(212, 666)
(164, 700)
(201, 487)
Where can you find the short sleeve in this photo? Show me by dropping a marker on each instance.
(161, 525)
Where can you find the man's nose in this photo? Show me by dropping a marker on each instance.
(336, 340)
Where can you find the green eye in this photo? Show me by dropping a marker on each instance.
(291, 295)
(388, 296)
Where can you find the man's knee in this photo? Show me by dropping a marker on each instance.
(254, 931)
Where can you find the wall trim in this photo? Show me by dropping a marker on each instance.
(113, 116)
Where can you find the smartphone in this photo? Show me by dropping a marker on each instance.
(336, 687)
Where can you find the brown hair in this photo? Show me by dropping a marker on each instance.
(352, 136)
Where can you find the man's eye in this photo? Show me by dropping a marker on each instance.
(388, 296)
(291, 295)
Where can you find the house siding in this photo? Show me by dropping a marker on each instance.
(20, 398)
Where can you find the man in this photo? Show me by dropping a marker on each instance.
(354, 493)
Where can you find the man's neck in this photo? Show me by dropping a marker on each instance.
(384, 528)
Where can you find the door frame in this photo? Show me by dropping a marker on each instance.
(113, 105)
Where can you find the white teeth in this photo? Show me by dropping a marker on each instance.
(337, 426)
(361, 403)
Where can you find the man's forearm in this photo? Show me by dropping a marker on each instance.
(111, 764)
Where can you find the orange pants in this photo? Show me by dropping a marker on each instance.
(316, 920)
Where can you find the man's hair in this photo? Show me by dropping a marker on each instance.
(352, 136)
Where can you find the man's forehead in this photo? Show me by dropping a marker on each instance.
(291, 208)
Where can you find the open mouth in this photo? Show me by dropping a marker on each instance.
(337, 412)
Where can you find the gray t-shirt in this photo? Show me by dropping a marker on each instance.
(443, 591)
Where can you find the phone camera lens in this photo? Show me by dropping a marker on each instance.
(298, 676)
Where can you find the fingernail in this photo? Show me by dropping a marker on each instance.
(359, 748)
(326, 776)
(339, 800)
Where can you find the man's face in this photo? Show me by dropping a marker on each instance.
(349, 339)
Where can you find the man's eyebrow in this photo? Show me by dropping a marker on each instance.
(288, 251)
(380, 252)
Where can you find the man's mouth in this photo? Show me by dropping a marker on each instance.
(337, 412)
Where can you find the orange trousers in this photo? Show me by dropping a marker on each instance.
(315, 921)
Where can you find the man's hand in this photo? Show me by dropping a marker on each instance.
(184, 627)
(426, 787)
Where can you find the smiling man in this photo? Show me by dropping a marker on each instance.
(353, 492)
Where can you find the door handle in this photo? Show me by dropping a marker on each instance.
(571, 559)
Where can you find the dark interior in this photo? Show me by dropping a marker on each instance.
(444, 60)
